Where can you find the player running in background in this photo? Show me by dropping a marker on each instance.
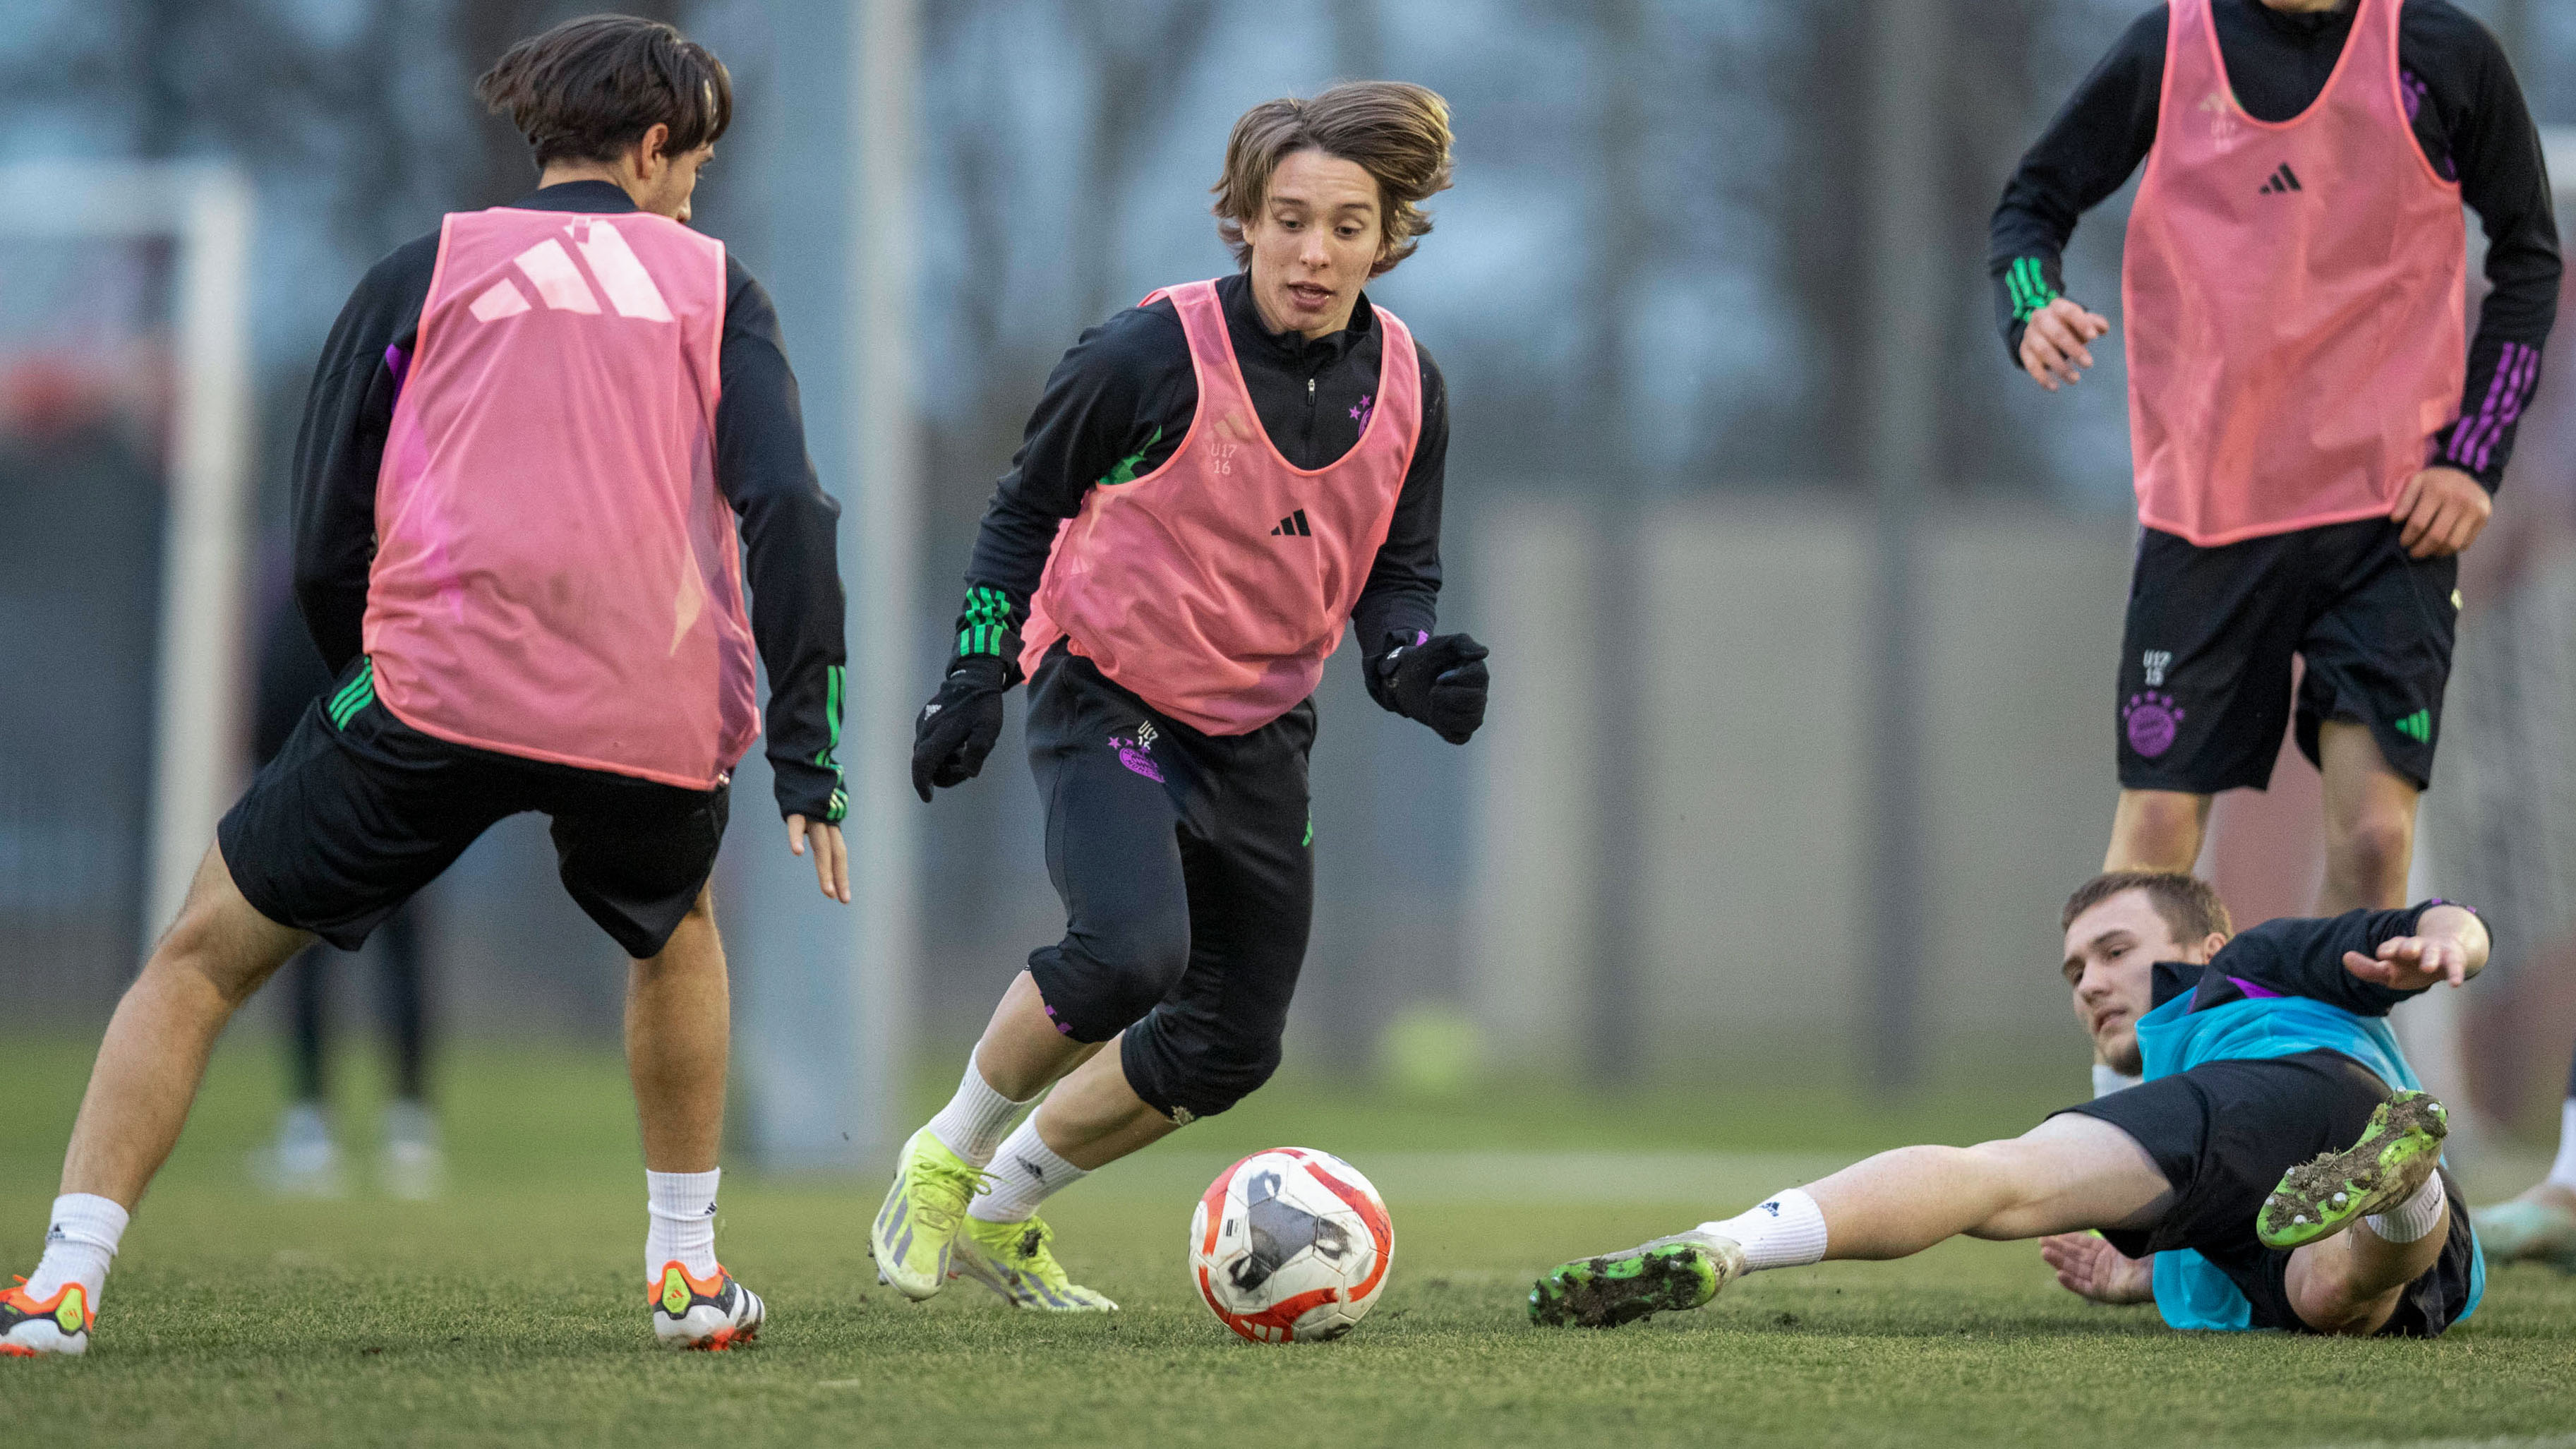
(2315, 438)
(516, 487)
(304, 1160)
(2260, 1053)
(2540, 1225)
(1214, 484)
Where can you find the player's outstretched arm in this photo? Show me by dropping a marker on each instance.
(2450, 944)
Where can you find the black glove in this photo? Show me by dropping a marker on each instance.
(956, 730)
(1441, 682)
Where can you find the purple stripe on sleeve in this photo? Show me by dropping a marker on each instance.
(2464, 436)
(397, 362)
(2252, 989)
(2515, 395)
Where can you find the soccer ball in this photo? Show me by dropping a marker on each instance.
(1290, 1244)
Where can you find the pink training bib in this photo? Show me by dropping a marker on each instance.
(2294, 295)
(1215, 586)
(556, 575)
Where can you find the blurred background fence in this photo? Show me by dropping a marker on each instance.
(1685, 236)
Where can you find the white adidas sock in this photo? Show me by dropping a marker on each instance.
(79, 1245)
(1785, 1230)
(1025, 1173)
(974, 1120)
(2563, 1171)
(680, 1223)
(2414, 1218)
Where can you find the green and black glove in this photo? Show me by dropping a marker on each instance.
(956, 730)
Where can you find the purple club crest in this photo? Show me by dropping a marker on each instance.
(1135, 751)
(2152, 720)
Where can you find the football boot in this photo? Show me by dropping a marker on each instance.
(916, 1229)
(2323, 1196)
(1013, 1259)
(60, 1324)
(1666, 1275)
(706, 1314)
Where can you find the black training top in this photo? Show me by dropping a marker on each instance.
(788, 521)
(2296, 956)
(2469, 117)
(1119, 403)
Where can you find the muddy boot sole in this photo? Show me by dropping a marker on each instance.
(1666, 1276)
(2321, 1198)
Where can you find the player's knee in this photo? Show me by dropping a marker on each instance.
(2378, 846)
(1099, 982)
(1226, 1075)
(2157, 829)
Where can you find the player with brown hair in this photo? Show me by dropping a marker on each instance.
(1216, 483)
(536, 448)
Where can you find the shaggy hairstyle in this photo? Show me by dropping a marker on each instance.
(1398, 133)
(2188, 904)
(590, 88)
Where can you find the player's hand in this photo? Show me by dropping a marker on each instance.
(2411, 963)
(2055, 342)
(831, 854)
(1441, 682)
(956, 730)
(2440, 511)
(2089, 1267)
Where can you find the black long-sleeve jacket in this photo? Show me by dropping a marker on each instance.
(788, 521)
(1117, 407)
(2468, 115)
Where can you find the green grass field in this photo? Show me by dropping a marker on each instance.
(512, 1311)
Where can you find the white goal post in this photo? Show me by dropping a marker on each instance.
(201, 661)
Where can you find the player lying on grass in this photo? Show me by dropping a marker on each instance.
(2264, 1164)
(516, 490)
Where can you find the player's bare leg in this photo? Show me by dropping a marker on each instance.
(1091, 1119)
(678, 1025)
(678, 1032)
(140, 1089)
(2067, 1173)
(2370, 822)
(2157, 830)
(155, 1051)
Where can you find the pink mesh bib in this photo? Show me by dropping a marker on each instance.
(2294, 296)
(556, 576)
(1215, 586)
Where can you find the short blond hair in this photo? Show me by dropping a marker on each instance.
(1396, 132)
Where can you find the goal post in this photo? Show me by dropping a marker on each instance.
(201, 663)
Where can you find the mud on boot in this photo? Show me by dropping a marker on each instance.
(2320, 1198)
(1666, 1275)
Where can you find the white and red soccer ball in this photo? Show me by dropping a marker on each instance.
(1290, 1245)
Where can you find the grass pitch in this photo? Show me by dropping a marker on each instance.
(512, 1311)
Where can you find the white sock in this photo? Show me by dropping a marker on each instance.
(2109, 1079)
(1025, 1173)
(79, 1245)
(680, 1222)
(2417, 1216)
(974, 1120)
(2563, 1171)
(1785, 1230)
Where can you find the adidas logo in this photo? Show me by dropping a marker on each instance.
(2283, 181)
(1293, 526)
(2417, 726)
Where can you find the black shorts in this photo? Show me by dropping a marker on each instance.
(2205, 658)
(2223, 1133)
(1186, 866)
(352, 818)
